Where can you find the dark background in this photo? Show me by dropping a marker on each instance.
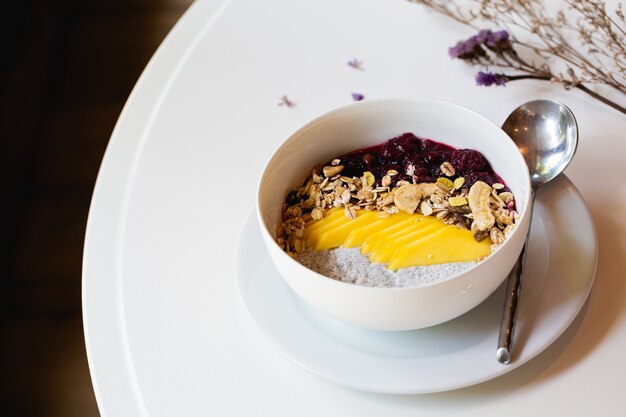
(66, 69)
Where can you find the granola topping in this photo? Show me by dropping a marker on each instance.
(487, 209)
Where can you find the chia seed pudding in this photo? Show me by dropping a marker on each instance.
(351, 266)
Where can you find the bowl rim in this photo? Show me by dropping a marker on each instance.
(377, 101)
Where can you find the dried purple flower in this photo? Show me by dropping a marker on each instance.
(285, 101)
(469, 49)
(497, 38)
(488, 78)
(357, 96)
(356, 64)
(595, 56)
(472, 49)
(482, 36)
(499, 41)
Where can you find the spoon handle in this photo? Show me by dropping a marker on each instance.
(514, 284)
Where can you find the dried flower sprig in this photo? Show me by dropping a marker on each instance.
(545, 49)
(357, 96)
(286, 101)
(356, 64)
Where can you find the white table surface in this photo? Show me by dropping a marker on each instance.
(166, 332)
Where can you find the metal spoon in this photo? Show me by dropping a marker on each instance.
(546, 134)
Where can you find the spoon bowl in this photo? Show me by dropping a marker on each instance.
(546, 134)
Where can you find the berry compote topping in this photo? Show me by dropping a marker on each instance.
(417, 160)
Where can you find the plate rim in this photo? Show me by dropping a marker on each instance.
(111, 366)
(250, 220)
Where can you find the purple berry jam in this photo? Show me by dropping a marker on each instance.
(417, 160)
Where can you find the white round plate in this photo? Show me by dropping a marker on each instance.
(559, 274)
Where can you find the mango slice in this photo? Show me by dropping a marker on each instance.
(312, 225)
(337, 235)
(401, 240)
(372, 241)
(356, 237)
(450, 244)
(313, 236)
(390, 246)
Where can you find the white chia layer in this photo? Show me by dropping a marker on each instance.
(349, 265)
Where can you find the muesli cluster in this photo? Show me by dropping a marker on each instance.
(488, 210)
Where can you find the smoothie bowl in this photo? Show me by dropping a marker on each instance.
(395, 214)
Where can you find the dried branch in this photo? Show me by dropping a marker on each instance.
(587, 45)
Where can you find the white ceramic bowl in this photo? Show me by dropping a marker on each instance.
(368, 123)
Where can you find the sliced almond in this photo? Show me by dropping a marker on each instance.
(506, 196)
(350, 212)
(426, 208)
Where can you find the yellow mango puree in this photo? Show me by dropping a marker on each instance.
(400, 240)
